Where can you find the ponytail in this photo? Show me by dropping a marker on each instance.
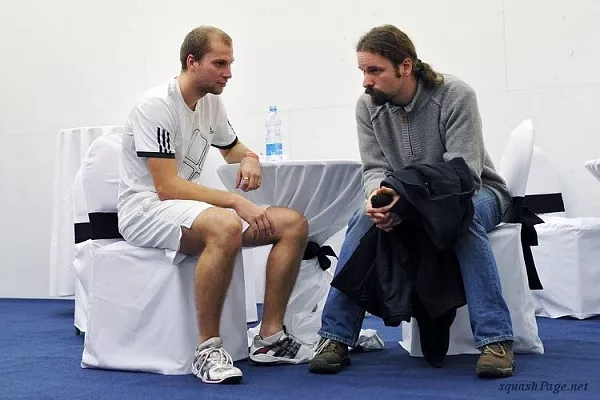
(426, 74)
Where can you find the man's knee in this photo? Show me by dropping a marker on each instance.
(295, 224)
(221, 227)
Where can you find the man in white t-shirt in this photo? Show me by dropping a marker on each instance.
(162, 205)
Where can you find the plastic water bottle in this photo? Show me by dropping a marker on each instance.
(274, 139)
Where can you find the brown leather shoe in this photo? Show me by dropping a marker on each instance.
(330, 357)
(496, 360)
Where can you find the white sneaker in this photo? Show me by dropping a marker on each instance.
(213, 364)
(285, 350)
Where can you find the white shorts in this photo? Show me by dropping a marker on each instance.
(155, 223)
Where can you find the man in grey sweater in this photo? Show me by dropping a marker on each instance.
(409, 115)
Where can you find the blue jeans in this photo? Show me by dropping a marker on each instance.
(490, 319)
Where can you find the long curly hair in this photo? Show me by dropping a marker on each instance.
(393, 44)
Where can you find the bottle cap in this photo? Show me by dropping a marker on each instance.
(272, 108)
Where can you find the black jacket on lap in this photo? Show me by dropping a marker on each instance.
(415, 262)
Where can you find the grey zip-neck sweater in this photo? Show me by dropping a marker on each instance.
(439, 124)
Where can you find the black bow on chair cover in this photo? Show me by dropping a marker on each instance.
(314, 250)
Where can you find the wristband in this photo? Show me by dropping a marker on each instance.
(251, 155)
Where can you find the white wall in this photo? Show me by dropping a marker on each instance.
(68, 63)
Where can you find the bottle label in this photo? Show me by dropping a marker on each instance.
(274, 149)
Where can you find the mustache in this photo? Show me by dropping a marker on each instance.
(375, 92)
(378, 97)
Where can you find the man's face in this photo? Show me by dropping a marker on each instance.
(213, 71)
(382, 80)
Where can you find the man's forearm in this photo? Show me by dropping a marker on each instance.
(372, 180)
(181, 189)
(236, 153)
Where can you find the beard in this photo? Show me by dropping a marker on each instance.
(378, 97)
(204, 87)
(216, 90)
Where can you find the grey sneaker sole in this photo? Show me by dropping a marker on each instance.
(232, 380)
(488, 371)
(265, 359)
(228, 380)
(322, 367)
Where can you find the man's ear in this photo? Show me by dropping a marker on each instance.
(405, 69)
(190, 60)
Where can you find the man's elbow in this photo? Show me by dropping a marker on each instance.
(165, 191)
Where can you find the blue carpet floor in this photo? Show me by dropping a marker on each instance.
(40, 357)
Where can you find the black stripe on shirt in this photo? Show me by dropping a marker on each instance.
(227, 147)
(151, 154)
(163, 138)
(158, 135)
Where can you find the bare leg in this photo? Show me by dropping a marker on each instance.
(289, 243)
(216, 235)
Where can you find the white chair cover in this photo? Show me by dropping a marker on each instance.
(543, 179)
(506, 243)
(142, 313)
(82, 255)
(71, 147)
(516, 159)
(100, 171)
(99, 185)
(567, 263)
(567, 252)
(594, 167)
(508, 251)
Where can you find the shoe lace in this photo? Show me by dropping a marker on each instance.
(292, 340)
(216, 356)
(327, 345)
(496, 349)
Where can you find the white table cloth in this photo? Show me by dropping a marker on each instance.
(71, 147)
(594, 167)
(327, 193)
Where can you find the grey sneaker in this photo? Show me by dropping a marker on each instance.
(330, 357)
(213, 364)
(286, 350)
(496, 360)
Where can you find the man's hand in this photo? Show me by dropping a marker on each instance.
(382, 217)
(260, 223)
(248, 175)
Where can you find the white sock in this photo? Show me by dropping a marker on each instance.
(212, 342)
(273, 338)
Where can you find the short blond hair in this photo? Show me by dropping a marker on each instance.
(198, 42)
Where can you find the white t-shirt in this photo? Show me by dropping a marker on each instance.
(162, 125)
